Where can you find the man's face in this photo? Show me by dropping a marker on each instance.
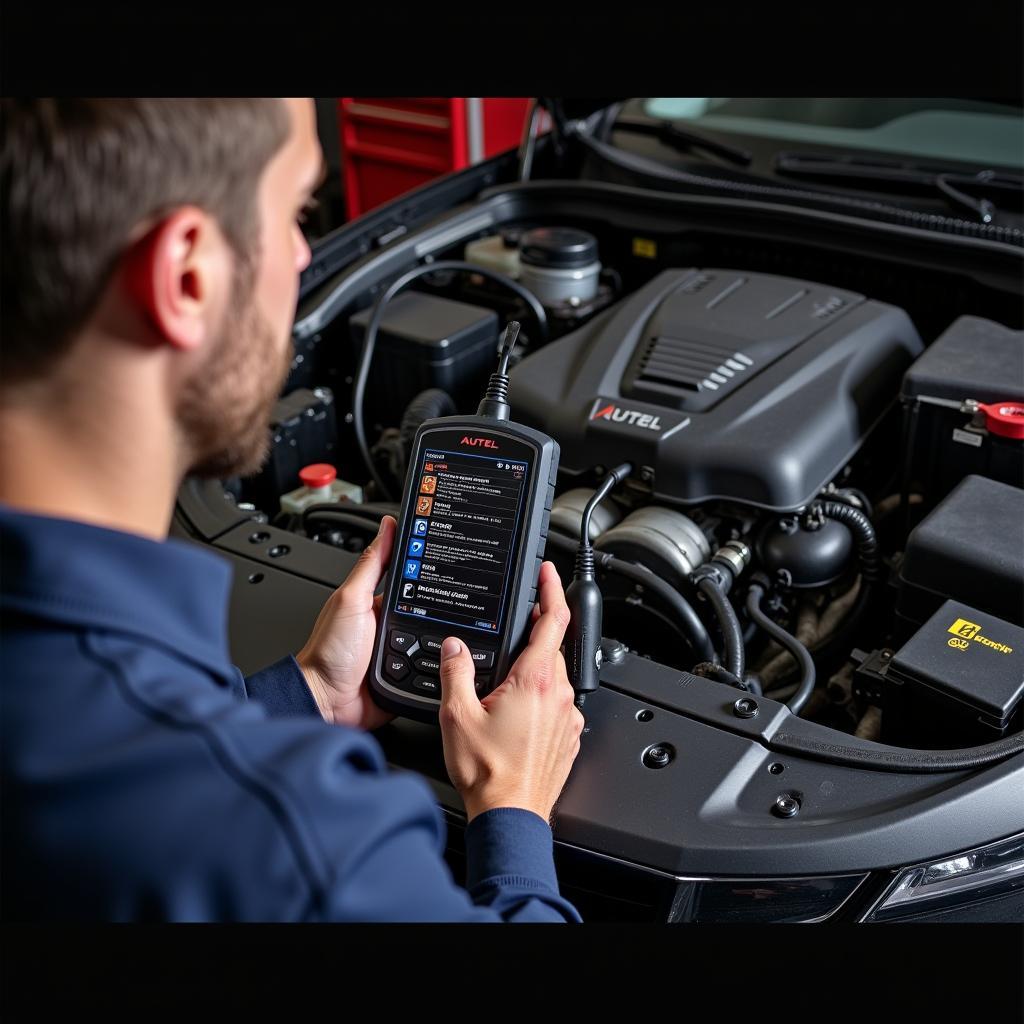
(225, 407)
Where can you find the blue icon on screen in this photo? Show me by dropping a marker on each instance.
(416, 547)
(419, 526)
(412, 570)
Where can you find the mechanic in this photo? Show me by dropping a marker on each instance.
(151, 255)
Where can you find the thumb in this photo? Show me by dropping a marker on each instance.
(457, 674)
(374, 560)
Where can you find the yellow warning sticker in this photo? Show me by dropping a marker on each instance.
(647, 248)
(965, 631)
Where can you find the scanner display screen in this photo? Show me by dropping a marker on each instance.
(459, 547)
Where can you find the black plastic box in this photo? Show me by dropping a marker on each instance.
(973, 359)
(969, 548)
(303, 430)
(425, 341)
(957, 682)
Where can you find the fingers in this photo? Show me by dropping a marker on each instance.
(374, 560)
(457, 675)
(549, 629)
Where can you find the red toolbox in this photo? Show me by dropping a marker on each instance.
(392, 144)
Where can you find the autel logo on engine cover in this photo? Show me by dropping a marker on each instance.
(633, 417)
(479, 442)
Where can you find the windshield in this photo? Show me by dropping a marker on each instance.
(972, 131)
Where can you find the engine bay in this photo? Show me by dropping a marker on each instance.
(797, 419)
(812, 578)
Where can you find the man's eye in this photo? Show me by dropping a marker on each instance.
(307, 210)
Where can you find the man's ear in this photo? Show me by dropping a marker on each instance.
(177, 276)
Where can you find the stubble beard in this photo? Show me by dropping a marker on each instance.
(224, 409)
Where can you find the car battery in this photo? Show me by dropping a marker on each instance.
(426, 341)
(303, 430)
(963, 409)
(969, 548)
(956, 683)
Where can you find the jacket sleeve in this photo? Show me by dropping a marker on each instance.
(387, 833)
(280, 688)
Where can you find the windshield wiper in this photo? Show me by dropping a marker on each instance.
(682, 139)
(861, 172)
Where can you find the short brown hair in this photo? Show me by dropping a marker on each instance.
(78, 175)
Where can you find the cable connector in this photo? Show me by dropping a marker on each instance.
(494, 404)
(586, 604)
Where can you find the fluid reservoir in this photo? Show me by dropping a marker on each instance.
(559, 265)
(496, 252)
(320, 484)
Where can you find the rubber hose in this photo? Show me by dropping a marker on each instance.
(692, 627)
(787, 640)
(899, 759)
(864, 533)
(425, 406)
(728, 623)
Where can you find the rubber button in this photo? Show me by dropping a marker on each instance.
(401, 642)
(431, 687)
(396, 668)
(483, 659)
(428, 664)
(432, 644)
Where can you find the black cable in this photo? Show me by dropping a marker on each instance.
(585, 601)
(688, 619)
(614, 477)
(899, 759)
(369, 512)
(344, 519)
(363, 371)
(789, 642)
(728, 623)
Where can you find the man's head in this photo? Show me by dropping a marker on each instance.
(168, 229)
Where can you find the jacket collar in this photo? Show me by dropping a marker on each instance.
(171, 593)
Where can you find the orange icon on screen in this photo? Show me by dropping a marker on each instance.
(424, 505)
(429, 467)
(428, 484)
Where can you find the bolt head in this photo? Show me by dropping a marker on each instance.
(786, 806)
(745, 707)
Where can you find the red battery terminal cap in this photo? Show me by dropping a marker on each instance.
(320, 474)
(1004, 418)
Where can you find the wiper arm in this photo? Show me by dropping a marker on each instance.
(683, 140)
(860, 171)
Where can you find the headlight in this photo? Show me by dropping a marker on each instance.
(980, 874)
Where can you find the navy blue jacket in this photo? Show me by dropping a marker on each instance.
(145, 779)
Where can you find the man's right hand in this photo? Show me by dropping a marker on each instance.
(515, 747)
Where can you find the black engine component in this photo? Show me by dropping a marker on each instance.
(973, 361)
(812, 552)
(426, 341)
(956, 682)
(303, 430)
(969, 548)
(719, 384)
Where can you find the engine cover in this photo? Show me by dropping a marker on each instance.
(723, 384)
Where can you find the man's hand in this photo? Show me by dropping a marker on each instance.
(515, 747)
(337, 655)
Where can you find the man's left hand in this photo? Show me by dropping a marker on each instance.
(336, 657)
